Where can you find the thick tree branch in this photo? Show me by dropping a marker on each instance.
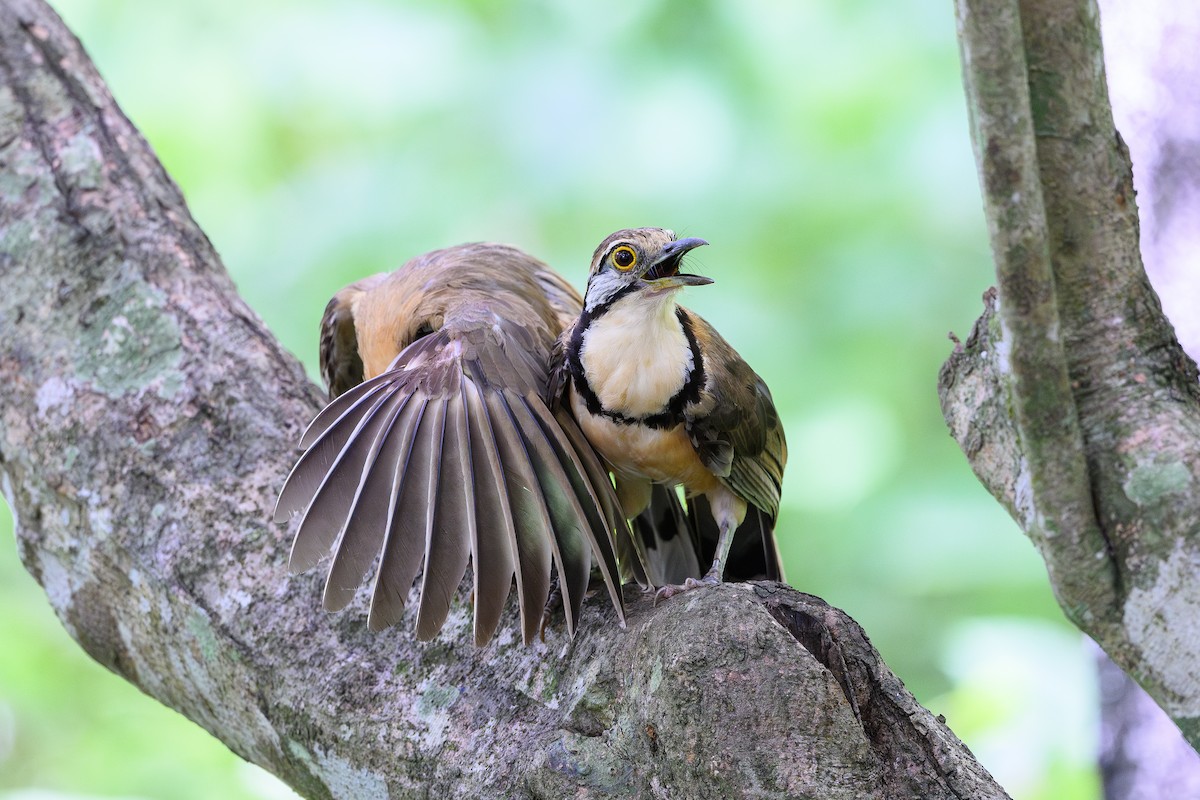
(1056, 510)
(1043, 128)
(147, 421)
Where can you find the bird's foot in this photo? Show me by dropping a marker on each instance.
(669, 591)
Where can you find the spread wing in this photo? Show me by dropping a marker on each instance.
(738, 435)
(452, 455)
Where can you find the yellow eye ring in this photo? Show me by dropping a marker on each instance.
(624, 258)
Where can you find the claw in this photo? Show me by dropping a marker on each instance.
(669, 591)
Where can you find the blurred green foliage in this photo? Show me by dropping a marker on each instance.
(822, 148)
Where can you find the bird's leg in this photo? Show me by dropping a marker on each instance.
(724, 541)
(713, 576)
(728, 511)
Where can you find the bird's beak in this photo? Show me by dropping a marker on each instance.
(664, 272)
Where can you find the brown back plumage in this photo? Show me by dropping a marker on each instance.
(438, 446)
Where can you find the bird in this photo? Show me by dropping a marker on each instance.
(439, 447)
(668, 402)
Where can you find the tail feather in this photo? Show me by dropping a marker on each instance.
(669, 539)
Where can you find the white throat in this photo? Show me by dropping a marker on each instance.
(636, 356)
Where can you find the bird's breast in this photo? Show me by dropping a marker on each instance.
(636, 357)
(661, 455)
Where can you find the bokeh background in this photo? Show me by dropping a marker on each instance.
(821, 147)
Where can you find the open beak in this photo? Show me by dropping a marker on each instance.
(664, 272)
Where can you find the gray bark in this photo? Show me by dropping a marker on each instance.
(147, 420)
(1072, 399)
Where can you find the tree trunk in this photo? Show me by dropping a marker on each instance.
(1072, 399)
(148, 420)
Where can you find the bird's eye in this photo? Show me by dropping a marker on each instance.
(624, 257)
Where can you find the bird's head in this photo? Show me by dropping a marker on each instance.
(641, 260)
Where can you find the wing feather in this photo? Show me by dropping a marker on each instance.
(600, 528)
(448, 539)
(738, 435)
(319, 457)
(631, 559)
(333, 412)
(493, 550)
(736, 430)
(569, 547)
(530, 517)
(338, 487)
(366, 524)
(404, 551)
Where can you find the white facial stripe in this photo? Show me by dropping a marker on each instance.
(602, 287)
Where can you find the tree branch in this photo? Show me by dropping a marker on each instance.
(1042, 127)
(1056, 509)
(148, 420)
